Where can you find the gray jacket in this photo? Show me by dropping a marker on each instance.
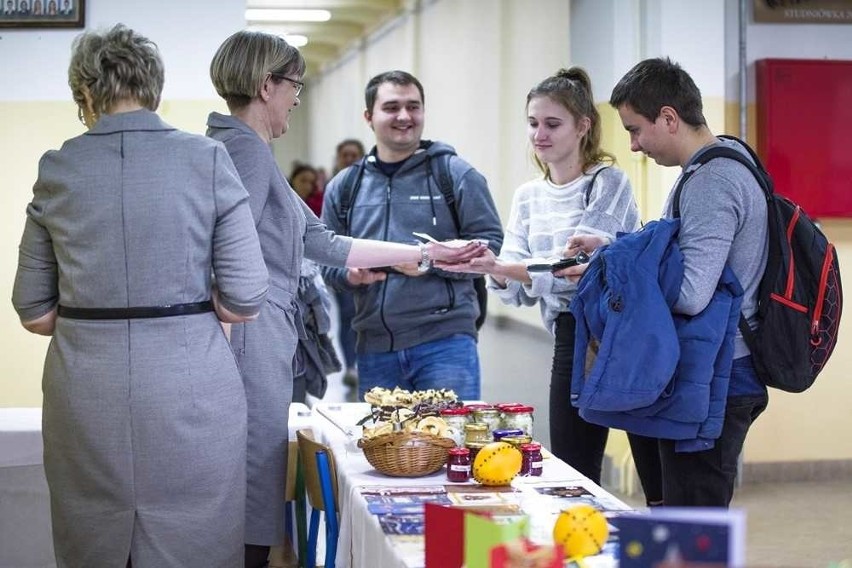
(401, 311)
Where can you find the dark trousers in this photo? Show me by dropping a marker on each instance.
(257, 556)
(707, 479)
(581, 444)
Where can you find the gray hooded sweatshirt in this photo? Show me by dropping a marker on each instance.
(401, 312)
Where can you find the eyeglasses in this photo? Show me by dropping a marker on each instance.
(298, 85)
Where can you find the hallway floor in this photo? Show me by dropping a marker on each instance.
(805, 524)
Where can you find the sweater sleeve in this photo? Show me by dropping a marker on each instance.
(710, 211)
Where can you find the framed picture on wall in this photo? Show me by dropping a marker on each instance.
(42, 13)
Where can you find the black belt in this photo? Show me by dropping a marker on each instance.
(135, 313)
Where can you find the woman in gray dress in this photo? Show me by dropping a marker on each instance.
(259, 76)
(144, 408)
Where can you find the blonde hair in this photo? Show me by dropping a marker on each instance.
(114, 66)
(244, 60)
(572, 89)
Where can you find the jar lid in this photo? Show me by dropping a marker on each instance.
(461, 411)
(475, 407)
(518, 409)
(476, 427)
(531, 447)
(459, 451)
(475, 445)
(508, 432)
(505, 405)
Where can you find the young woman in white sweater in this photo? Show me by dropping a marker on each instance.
(580, 192)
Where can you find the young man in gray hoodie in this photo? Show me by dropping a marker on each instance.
(415, 324)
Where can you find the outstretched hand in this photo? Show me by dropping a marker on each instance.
(455, 251)
(482, 264)
(579, 243)
(364, 276)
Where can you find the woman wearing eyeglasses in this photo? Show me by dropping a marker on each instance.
(260, 77)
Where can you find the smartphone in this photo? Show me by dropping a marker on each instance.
(386, 269)
(579, 258)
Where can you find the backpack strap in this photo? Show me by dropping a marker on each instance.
(592, 185)
(348, 191)
(763, 179)
(756, 169)
(441, 174)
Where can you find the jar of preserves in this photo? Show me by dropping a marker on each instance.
(476, 432)
(503, 432)
(456, 419)
(458, 465)
(531, 460)
(474, 448)
(487, 415)
(520, 417)
(517, 441)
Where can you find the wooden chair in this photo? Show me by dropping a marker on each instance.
(294, 515)
(321, 483)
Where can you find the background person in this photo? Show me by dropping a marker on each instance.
(304, 181)
(144, 409)
(564, 130)
(348, 152)
(260, 77)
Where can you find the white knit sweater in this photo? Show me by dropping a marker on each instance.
(544, 216)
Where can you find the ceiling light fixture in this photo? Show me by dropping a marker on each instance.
(284, 15)
(296, 40)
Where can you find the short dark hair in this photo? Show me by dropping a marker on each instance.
(396, 77)
(658, 82)
(350, 142)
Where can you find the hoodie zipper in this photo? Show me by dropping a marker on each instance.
(385, 283)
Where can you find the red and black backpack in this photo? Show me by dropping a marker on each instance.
(800, 297)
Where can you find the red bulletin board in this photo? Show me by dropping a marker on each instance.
(804, 129)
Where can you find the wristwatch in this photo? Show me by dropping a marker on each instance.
(425, 260)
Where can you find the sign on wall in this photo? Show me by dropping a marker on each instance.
(803, 11)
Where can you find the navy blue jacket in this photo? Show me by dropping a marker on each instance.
(656, 374)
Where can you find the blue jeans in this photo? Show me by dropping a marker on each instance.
(448, 363)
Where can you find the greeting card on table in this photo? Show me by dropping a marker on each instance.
(524, 554)
(482, 534)
(402, 524)
(407, 504)
(697, 538)
(444, 536)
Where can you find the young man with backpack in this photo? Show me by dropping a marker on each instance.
(723, 213)
(416, 324)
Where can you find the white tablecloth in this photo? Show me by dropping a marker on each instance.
(362, 542)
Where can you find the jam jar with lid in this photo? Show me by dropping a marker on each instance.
(458, 465)
(456, 419)
(519, 417)
(487, 415)
(476, 432)
(531, 460)
(503, 432)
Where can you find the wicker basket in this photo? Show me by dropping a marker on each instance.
(406, 454)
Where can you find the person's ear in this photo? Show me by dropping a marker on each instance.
(368, 117)
(584, 126)
(90, 117)
(265, 88)
(670, 118)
